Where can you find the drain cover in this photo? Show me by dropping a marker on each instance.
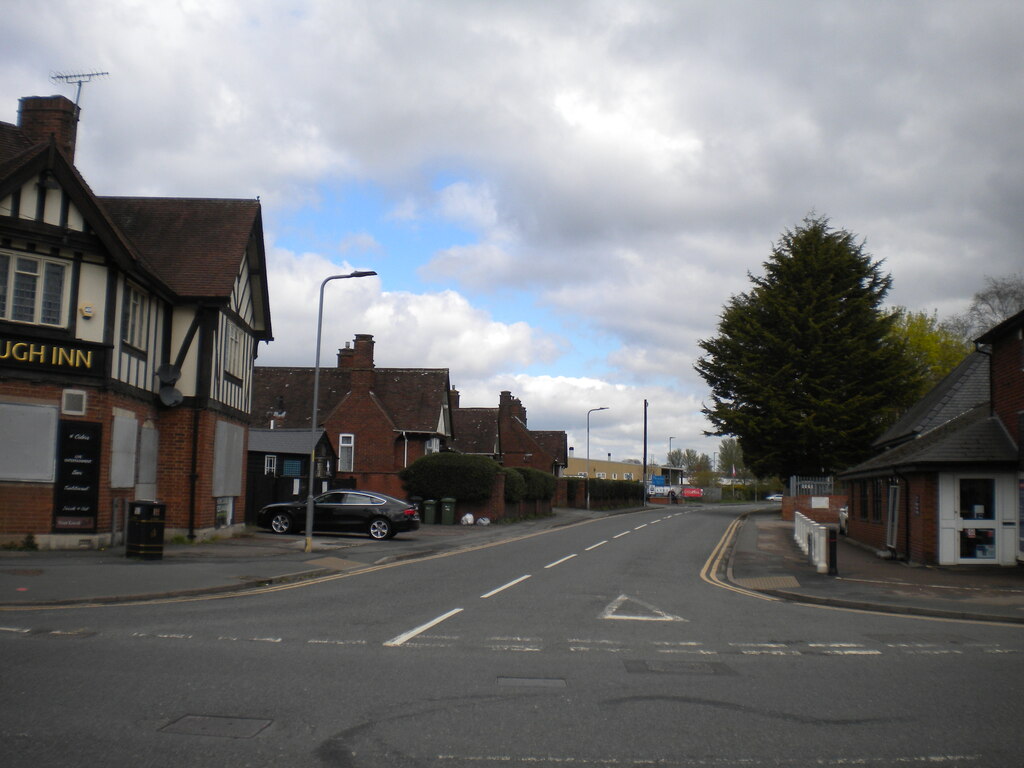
(532, 682)
(225, 727)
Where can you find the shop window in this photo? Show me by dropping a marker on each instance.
(978, 543)
(225, 512)
(977, 498)
(32, 289)
(862, 499)
(346, 453)
(28, 442)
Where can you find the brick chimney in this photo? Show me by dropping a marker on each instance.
(41, 117)
(511, 406)
(358, 358)
(454, 398)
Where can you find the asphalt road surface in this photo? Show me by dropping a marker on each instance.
(601, 645)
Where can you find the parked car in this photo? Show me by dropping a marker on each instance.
(773, 497)
(379, 516)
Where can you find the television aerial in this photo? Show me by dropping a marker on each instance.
(78, 78)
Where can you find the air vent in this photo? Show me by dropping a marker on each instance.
(73, 402)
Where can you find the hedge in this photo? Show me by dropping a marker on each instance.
(451, 475)
(540, 486)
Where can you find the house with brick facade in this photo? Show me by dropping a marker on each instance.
(378, 420)
(502, 434)
(947, 485)
(128, 333)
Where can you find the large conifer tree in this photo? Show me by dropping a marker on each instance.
(804, 370)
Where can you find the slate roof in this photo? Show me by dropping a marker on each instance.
(412, 397)
(964, 388)
(300, 441)
(974, 437)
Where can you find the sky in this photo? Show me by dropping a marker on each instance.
(559, 198)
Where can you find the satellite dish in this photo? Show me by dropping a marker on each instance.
(168, 374)
(170, 397)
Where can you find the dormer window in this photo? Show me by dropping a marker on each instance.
(32, 289)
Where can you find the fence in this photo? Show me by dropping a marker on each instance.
(813, 540)
(810, 486)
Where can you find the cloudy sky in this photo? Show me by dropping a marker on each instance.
(558, 196)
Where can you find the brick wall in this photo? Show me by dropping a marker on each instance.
(1008, 382)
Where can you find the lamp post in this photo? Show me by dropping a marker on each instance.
(316, 397)
(602, 408)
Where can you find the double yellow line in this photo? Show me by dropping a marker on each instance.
(709, 572)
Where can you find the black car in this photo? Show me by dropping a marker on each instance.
(375, 514)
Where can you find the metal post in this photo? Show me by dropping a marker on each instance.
(316, 397)
(602, 408)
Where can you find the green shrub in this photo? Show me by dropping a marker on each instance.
(515, 486)
(455, 475)
(540, 486)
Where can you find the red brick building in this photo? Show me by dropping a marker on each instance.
(947, 486)
(379, 420)
(502, 434)
(128, 331)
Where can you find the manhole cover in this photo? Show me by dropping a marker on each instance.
(224, 727)
(678, 667)
(532, 682)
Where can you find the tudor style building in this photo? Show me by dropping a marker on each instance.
(128, 331)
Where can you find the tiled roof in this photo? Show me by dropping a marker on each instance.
(554, 443)
(412, 397)
(195, 246)
(476, 430)
(964, 388)
(13, 144)
(974, 437)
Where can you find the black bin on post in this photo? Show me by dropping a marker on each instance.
(144, 535)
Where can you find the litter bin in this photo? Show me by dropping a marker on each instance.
(429, 511)
(448, 511)
(144, 535)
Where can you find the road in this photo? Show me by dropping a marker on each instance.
(594, 645)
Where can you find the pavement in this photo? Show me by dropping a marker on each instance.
(762, 557)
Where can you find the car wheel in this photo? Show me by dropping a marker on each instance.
(380, 528)
(282, 522)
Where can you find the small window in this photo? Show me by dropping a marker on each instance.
(627, 476)
(601, 475)
(433, 445)
(235, 352)
(270, 464)
(73, 402)
(346, 453)
(292, 468)
(134, 318)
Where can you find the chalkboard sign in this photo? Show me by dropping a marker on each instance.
(77, 490)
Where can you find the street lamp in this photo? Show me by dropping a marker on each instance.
(602, 408)
(316, 397)
(668, 459)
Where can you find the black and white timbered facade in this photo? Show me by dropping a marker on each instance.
(128, 333)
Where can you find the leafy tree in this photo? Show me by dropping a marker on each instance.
(805, 370)
(694, 462)
(675, 458)
(1002, 297)
(730, 457)
(936, 348)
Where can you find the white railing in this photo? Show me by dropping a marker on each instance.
(812, 538)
